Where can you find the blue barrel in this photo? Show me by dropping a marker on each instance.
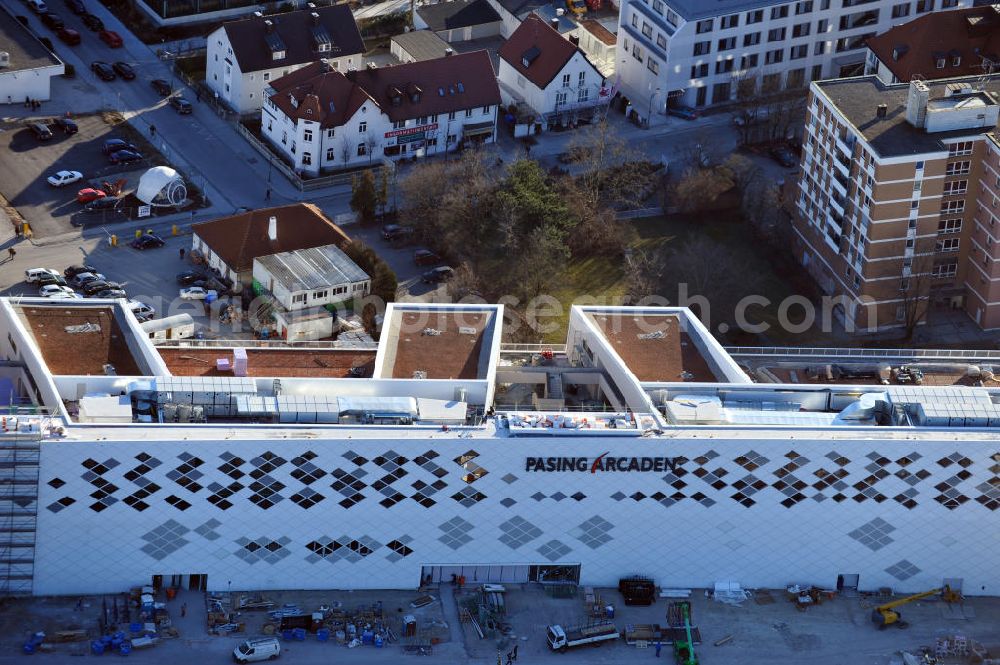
(323, 635)
(299, 634)
(29, 648)
(366, 637)
(379, 641)
(135, 627)
(211, 297)
(97, 647)
(106, 640)
(125, 648)
(286, 634)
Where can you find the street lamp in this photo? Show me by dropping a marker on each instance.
(649, 114)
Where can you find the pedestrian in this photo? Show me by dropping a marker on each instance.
(184, 609)
(267, 194)
(12, 252)
(658, 647)
(197, 94)
(35, 104)
(79, 605)
(508, 659)
(182, 253)
(27, 102)
(514, 653)
(152, 131)
(8, 99)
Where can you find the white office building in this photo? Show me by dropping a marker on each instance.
(696, 53)
(639, 446)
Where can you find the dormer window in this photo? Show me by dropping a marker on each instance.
(278, 55)
(323, 48)
(939, 63)
(956, 60)
(530, 56)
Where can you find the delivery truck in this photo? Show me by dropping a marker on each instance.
(566, 638)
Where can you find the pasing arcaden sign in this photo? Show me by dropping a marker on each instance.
(601, 463)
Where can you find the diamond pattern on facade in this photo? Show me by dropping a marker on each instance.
(399, 548)
(305, 471)
(902, 570)
(103, 494)
(468, 497)
(507, 502)
(208, 529)
(344, 548)
(509, 478)
(593, 532)
(231, 465)
(554, 550)
(349, 485)
(64, 502)
(263, 549)
(220, 495)
(518, 531)
(306, 498)
(455, 532)
(165, 539)
(266, 490)
(751, 461)
(874, 534)
(186, 474)
(473, 471)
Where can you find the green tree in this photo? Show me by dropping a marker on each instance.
(364, 198)
(384, 281)
(382, 192)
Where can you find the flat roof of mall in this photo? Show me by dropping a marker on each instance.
(270, 362)
(80, 339)
(441, 343)
(654, 347)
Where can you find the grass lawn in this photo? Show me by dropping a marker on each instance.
(600, 280)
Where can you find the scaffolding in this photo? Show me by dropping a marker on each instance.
(19, 471)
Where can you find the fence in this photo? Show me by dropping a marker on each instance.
(532, 348)
(266, 344)
(640, 213)
(873, 354)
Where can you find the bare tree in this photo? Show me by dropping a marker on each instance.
(370, 142)
(914, 291)
(698, 189)
(345, 149)
(602, 156)
(643, 274)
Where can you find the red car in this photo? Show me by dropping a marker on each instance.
(69, 35)
(89, 194)
(111, 38)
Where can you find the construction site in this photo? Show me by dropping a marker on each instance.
(453, 622)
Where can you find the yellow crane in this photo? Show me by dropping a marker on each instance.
(886, 615)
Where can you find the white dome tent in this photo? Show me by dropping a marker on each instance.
(161, 186)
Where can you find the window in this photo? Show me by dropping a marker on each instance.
(751, 39)
(776, 35)
(925, 6)
(661, 41)
(362, 126)
(946, 245)
(329, 155)
(821, 48)
(635, 20)
(652, 65)
(775, 56)
(749, 61)
(952, 207)
(489, 108)
(307, 135)
(957, 168)
(566, 78)
(704, 26)
(731, 21)
(278, 55)
(658, 6)
(822, 26)
(307, 158)
(584, 94)
(724, 66)
(959, 149)
(637, 52)
(284, 138)
(956, 60)
(755, 16)
(939, 62)
(945, 270)
(298, 297)
(797, 52)
(267, 76)
(727, 44)
(779, 12)
(956, 187)
(801, 30)
(699, 70)
(920, 166)
(293, 147)
(560, 98)
(468, 113)
(948, 4)
(949, 226)
(901, 10)
(803, 7)
(647, 30)
(702, 48)
(319, 294)
(399, 124)
(451, 116)
(672, 18)
(362, 150)
(914, 205)
(582, 79)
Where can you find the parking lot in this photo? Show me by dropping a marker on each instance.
(26, 162)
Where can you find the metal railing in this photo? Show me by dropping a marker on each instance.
(532, 348)
(927, 354)
(264, 344)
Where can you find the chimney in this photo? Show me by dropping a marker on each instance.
(916, 103)
(560, 11)
(268, 26)
(259, 14)
(881, 110)
(555, 24)
(272, 228)
(314, 17)
(448, 52)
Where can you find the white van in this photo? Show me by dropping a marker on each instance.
(264, 648)
(32, 275)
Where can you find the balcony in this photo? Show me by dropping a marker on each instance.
(840, 183)
(837, 203)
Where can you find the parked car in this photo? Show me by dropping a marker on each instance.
(46, 280)
(62, 178)
(111, 38)
(397, 233)
(161, 87)
(33, 275)
(76, 6)
(47, 43)
(114, 145)
(75, 270)
(103, 203)
(52, 289)
(141, 310)
(425, 257)
(111, 293)
(684, 112)
(82, 278)
(124, 157)
(96, 286)
(38, 6)
(436, 275)
(189, 277)
(104, 71)
(93, 23)
(41, 132)
(23, 20)
(67, 125)
(907, 374)
(89, 194)
(69, 36)
(783, 156)
(64, 296)
(124, 70)
(181, 105)
(148, 241)
(51, 21)
(196, 293)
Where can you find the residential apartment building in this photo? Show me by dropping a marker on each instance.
(697, 53)
(319, 119)
(898, 198)
(965, 42)
(244, 56)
